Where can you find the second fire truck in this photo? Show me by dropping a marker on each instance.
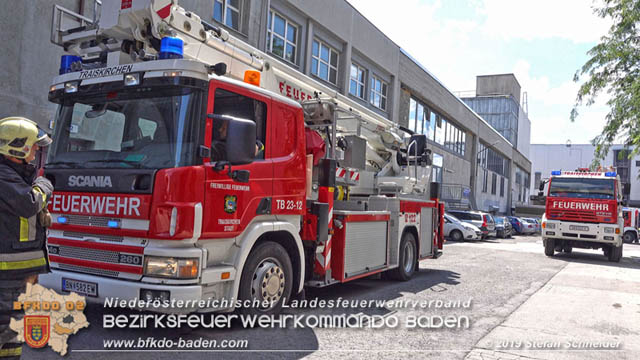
(583, 210)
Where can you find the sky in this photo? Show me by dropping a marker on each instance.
(542, 42)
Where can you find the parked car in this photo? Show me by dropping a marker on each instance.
(480, 219)
(536, 222)
(528, 226)
(503, 227)
(460, 231)
(517, 225)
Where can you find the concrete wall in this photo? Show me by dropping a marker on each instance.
(502, 84)
(524, 133)
(29, 60)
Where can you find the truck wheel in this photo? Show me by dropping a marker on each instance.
(456, 235)
(549, 246)
(408, 258)
(615, 253)
(629, 237)
(267, 276)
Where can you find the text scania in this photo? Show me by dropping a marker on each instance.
(90, 181)
(580, 206)
(90, 204)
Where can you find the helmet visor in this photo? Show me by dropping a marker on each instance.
(43, 138)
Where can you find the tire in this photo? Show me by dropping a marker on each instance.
(549, 246)
(268, 268)
(408, 258)
(456, 235)
(615, 253)
(629, 237)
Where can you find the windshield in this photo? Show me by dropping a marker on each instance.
(583, 188)
(499, 220)
(152, 131)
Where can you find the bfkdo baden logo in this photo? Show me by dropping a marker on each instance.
(49, 318)
(37, 330)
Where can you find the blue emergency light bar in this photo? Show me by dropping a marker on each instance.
(66, 62)
(171, 48)
(62, 220)
(114, 224)
(610, 174)
(556, 172)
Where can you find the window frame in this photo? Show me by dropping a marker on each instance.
(384, 89)
(271, 34)
(225, 6)
(363, 83)
(319, 61)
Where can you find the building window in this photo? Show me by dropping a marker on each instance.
(441, 123)
(324, 62)
(356, 83)
(282, 37)
(378, 96)
(485, 178)
(501, 186)
(227, 12)
(436, 170)
(494, 183)
(637, 162)
(537, 179)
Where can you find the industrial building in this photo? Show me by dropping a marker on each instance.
(549, 157)
(480, 164)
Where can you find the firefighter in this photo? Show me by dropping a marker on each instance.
(23, 218)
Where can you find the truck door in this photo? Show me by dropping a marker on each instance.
(230, 205)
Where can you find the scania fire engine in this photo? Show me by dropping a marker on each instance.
(189, 165)
(583, 210)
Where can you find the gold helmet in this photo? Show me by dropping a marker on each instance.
(18, 135)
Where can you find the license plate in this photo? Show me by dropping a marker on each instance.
(80, 287)
(579, 228)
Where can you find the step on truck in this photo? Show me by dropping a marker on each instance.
(583, 209)
(189, 165)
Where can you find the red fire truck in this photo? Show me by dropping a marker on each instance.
(583, 210)
(189, 165)
(631, 221)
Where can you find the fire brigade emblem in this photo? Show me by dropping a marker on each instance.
(230, 203)
(37, 329)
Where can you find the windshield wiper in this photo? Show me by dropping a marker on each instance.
(67, 163)
(135, 164)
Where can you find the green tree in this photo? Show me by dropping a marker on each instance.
(614, 68)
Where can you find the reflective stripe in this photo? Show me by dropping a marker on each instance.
(24, 229)
(20, 265)
(42, 194)
(29, 255)
(11, 352)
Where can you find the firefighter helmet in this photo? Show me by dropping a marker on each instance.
(18, 135)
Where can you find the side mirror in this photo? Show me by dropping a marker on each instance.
(240, 144)
(541, 187)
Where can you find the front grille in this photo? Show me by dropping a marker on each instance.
(88, 270)
(89, 220)
(570, 235)
(587, 236)
(573, 215)
(106, 238)
(88, 254)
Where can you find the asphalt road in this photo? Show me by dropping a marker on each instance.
(496, 276)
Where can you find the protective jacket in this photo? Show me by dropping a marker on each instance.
(22, 236)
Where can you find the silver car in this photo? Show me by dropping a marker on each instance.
(459, 231)
(480, 219)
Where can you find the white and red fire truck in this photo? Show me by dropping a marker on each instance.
(583, 210)
(189, 165)
(631, 220)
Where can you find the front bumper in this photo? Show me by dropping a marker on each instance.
(129, 290)
(580, 232)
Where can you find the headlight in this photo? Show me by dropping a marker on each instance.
(549, 225)
(609, 230)
(176, 268)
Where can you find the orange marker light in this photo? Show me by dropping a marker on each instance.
(225, 275)
(252, 77)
